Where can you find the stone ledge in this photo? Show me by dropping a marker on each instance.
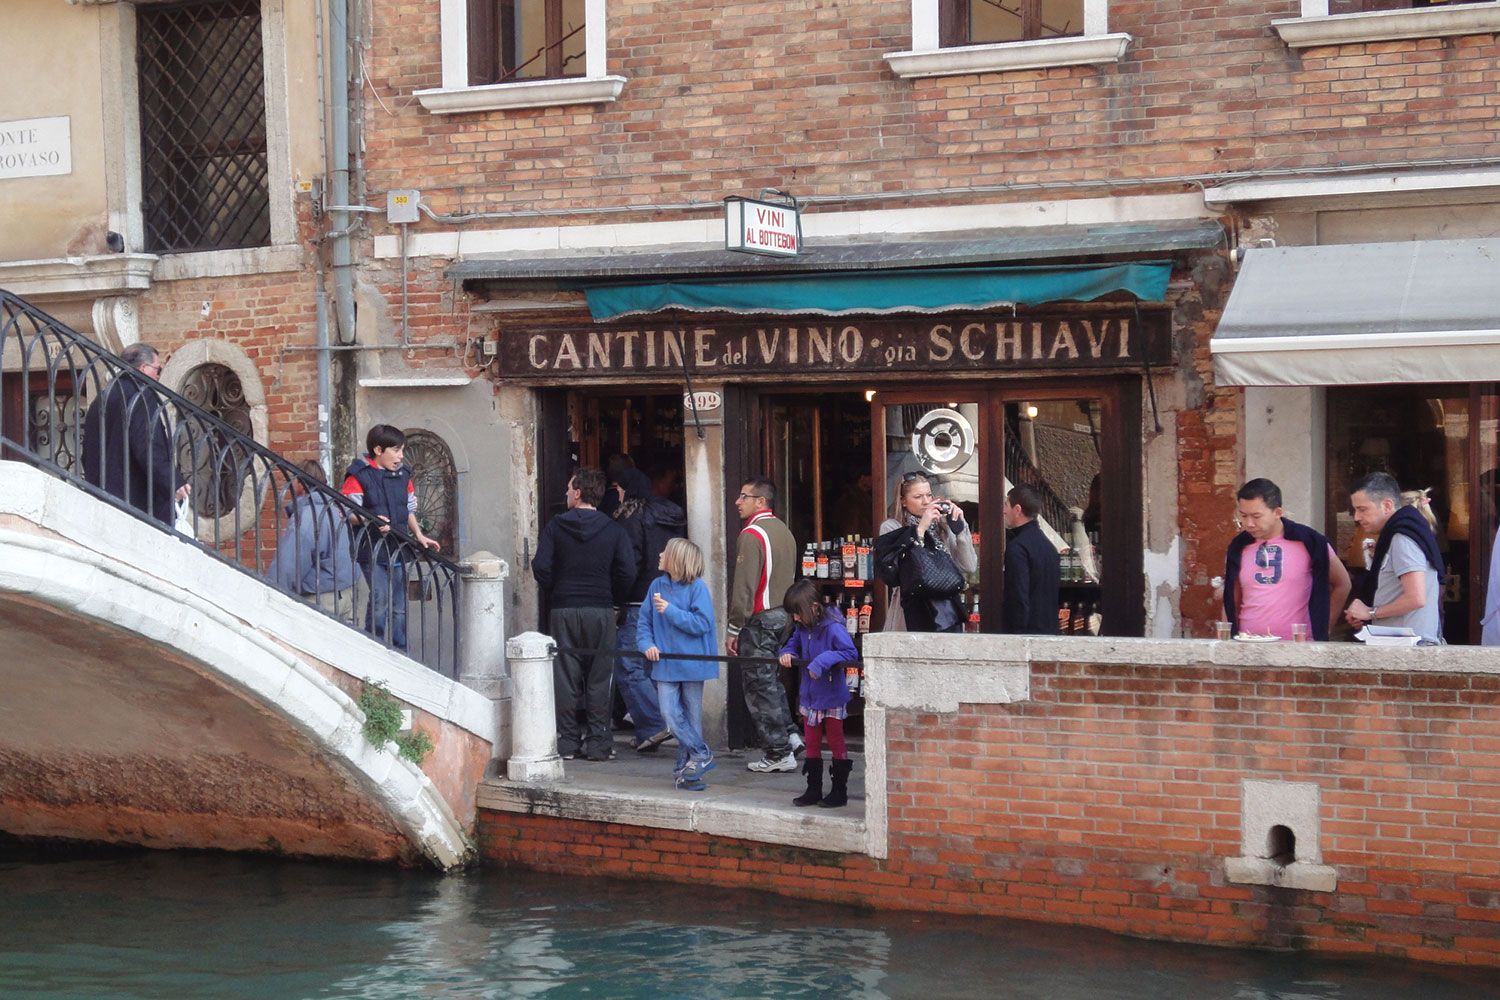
(720, 811)
(526, 94)
(1297, 875)
(1003, 57)
(1388, 25)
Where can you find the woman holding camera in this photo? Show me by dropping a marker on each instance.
(937, 524)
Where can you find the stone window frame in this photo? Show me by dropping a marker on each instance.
(122, 143)
(927, 57)
(1317, 27)
(457, 96)
(209, 351)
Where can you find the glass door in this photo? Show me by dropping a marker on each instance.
(940, 443)
(1055, 446)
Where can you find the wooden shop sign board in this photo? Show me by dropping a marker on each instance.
(815, 346)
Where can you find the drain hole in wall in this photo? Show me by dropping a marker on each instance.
(1281, 845)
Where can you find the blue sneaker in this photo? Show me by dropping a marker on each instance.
(698, 768)
(687, 783)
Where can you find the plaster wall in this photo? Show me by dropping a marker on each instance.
(50, 61)
(1286, 436)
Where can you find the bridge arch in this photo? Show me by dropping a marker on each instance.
(157, 696)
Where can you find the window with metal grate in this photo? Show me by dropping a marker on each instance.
(204, 169)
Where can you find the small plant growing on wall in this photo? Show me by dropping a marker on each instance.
(383, 723)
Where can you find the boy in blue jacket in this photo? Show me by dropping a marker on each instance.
(381, 483)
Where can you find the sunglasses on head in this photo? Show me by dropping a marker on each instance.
(910, 476)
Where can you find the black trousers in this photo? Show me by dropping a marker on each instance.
(582, 680)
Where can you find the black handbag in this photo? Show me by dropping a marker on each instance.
(929, 573)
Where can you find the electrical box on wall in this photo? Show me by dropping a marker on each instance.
(401, 205)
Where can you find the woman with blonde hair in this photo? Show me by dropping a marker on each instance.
(678, 620)
(936, 523)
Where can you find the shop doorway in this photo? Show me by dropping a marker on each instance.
(1441, 439)
(589, 427)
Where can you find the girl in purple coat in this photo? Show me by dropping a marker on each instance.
(821, 639)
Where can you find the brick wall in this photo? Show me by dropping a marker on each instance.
(1112, 797)
(794, 93)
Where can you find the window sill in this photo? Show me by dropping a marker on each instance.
(1389, 25)
(1006, 56)
(527, 94)
(229, 263)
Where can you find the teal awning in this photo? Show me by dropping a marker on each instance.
(894, 291)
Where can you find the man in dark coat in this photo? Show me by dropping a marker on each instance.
(1032, 569)
(127, 445)
(585, 564)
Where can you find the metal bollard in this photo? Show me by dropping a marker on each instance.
(533, 713)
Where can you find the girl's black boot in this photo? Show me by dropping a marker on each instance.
(813, 768)
(838, 792)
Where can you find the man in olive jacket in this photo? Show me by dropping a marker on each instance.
(765, 557)
(1033, 571)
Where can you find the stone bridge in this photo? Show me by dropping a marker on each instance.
(151, 694)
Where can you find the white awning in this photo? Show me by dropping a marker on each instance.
(1363, 314)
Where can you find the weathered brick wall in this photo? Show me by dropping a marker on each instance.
(727, 97)
(1112, 798)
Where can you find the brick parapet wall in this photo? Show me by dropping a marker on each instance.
(1112, 797)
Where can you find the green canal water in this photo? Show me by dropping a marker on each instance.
(166, 926)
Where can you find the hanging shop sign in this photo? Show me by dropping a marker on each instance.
(876, 344)
(769, 228)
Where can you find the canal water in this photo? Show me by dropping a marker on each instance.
(164, 926)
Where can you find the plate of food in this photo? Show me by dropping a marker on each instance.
(1254, 637)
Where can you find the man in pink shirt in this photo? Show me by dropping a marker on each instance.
(1279, 573)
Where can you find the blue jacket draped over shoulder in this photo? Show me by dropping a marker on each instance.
(687, 626)
(827, 648)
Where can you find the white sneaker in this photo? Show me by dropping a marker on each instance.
(766, 765)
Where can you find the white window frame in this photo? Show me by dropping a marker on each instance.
(927, 59)
(456, 96)
(1318, 27)
(122, 144)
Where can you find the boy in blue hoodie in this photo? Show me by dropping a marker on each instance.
(381, 483)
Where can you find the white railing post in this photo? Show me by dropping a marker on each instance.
(533, 710)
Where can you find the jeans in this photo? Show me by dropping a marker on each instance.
(582, 679)
(387, 602)
(765, 698)
(633, 678)
(682, 704)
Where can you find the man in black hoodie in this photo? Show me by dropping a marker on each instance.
(650, 522)
(585, 564)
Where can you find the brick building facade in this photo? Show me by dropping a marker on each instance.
(1091, 133)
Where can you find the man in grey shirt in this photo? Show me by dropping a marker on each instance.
(1401, 589)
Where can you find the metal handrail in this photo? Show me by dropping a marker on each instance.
(625, 654)
(250, 507)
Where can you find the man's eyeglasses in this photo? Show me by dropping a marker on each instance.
(748, 496)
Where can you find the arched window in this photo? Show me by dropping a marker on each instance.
(216, 472)
(435, 478)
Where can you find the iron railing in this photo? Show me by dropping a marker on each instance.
(72, 408)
